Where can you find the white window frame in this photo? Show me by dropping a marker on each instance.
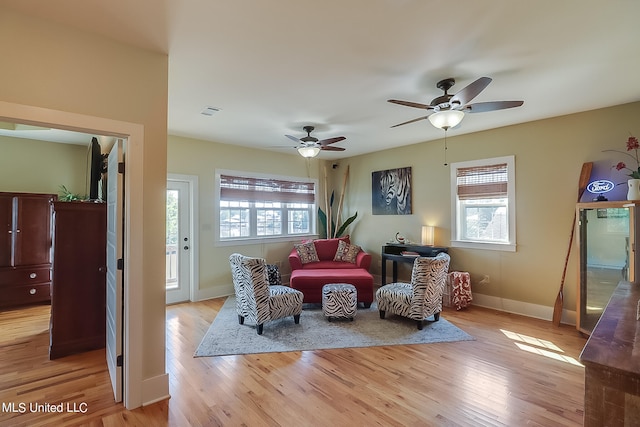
(456, 228)
(253, 238)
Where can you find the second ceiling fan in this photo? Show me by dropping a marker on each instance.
(310, 146)
(447, 110)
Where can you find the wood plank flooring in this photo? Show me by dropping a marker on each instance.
(518, 371)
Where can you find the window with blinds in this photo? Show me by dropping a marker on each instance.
(483, 203)
(258, 207)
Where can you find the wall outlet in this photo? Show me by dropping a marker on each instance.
(485, 281)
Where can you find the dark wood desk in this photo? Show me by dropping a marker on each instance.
(393, 252)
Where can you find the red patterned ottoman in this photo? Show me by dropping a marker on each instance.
(458, 290)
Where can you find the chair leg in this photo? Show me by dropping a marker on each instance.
(382, 313)
(367, 304)
(436, 316)
(296, 318)
(259, 328)
(420, 324)
(241, 319)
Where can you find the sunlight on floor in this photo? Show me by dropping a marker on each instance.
(541, 347)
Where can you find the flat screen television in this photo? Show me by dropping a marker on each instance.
(96, 168)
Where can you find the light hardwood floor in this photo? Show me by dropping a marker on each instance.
(518, 371)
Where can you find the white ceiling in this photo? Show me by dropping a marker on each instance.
(273, 67)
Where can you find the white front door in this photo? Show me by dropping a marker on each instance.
(179, 241)
(115, 269)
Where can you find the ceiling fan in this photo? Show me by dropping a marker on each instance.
(310, 146)
(447, 110)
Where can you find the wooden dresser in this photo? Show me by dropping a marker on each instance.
(611, 358)
(25, 248)
(78, 292)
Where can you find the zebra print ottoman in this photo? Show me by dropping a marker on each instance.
(339, 300)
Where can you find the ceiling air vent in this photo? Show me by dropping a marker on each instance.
(209, 111)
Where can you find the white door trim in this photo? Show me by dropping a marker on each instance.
(192, 182)
(133, 295)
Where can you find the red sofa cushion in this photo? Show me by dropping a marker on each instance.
(326, 248)
(311, 281)
(363, 259)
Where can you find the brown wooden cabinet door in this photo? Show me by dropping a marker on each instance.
(78, 291)
(32, 228)
(6, 230)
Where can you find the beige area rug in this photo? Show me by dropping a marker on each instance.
(227, 337)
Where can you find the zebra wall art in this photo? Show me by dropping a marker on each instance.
(391, 192)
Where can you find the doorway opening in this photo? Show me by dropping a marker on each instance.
(133, 240)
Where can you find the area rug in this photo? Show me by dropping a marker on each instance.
(314, 332)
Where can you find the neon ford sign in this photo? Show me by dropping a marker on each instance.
(600, 186)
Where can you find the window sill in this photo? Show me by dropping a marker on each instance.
(504, 247)
(265, 239)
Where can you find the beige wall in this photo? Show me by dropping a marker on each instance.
(56, 165)
(201, 158)
(549, 155)
(60, 69)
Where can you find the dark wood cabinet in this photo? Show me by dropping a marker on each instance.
(611, 363)
(78, 292)
(25, 248)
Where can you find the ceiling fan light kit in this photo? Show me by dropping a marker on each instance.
(308, 152)
(446, 119)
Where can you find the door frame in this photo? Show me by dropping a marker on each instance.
(133, 336)
(192, 183)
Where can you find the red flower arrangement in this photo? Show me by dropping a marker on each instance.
(632, 144)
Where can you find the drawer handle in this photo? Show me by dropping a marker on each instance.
(32, 291)
(32, 276)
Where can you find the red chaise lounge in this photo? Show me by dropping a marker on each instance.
(351, 265)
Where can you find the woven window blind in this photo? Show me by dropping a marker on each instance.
(481, 182)
(238, 188)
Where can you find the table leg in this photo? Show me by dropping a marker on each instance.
(384, 271)
(395, 271)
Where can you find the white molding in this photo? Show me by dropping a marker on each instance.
(214, 292)
(155, 389)
(522, 308)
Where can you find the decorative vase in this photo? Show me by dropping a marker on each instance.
(633, 193)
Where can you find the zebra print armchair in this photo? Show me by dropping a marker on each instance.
(422, 297)
(256, 301)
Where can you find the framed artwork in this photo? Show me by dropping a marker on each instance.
(391, 192)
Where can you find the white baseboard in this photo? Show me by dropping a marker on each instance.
(523, 308)
(214, 292)
(155, 389)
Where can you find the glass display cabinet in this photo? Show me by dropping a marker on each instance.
(606, 237)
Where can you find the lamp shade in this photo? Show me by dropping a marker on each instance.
(308, 151)
(427, 235)
(446, 119)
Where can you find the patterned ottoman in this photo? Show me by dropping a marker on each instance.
(458, 290)
(339, 300)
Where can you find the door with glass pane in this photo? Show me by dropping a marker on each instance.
(178, 242)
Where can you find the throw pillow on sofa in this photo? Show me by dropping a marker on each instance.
(346, 252)
(307, 252)
(273, 274)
